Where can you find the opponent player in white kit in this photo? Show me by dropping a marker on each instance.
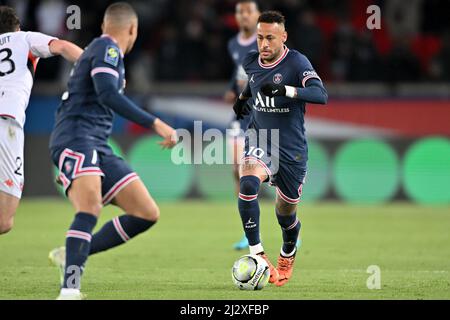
(19, 54)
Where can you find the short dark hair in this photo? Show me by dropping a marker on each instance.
(272, 17)
(9, 22)
(120, 11)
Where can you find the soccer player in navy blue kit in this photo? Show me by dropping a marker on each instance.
(91, 174)
(246, 15)
(281, 82)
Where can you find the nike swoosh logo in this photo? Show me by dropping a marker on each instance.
(274, 91)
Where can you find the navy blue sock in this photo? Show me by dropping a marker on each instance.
(78, 240)
(249, 208)
(117, 231)
(290, 227)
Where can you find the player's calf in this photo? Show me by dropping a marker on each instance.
(85, 195)
(249, 209)
(8, 207)
(141, 214)
(118, 231)
(6, 224)
(290, 226)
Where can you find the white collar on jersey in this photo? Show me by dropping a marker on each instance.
(275, 63)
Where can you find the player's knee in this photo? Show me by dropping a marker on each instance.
(85, 194)
(95, 209)
(149, 212)
(91, 204)
(6, 225)
(155, 214)
(249, 185)
(284, 208)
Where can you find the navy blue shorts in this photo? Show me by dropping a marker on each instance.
(288, 178)
(87, 161)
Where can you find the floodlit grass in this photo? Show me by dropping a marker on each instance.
(188, 254)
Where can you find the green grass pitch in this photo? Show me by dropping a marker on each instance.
(188, 254)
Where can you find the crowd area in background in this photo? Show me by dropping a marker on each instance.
(184, 40)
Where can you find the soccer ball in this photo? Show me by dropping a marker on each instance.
(250, 272)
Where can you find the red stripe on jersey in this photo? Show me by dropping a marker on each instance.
(7, 116)
(33, 60)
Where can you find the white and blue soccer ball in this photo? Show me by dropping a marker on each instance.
(250, 272)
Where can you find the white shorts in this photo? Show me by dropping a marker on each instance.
(11, 157)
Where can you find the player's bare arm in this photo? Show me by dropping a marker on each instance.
(66, 49)
(167, 132)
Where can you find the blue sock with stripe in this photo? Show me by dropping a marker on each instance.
(290, 227)
(78, 241)
(249, 208)
(117, 231)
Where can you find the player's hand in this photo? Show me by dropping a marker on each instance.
(167, 132)
(240, 108)
(273, 90)
(229, 96)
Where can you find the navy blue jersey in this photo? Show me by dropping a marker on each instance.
(81, 117)
(238, 50)
(282, 113)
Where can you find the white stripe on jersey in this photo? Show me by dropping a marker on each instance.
(104, 70)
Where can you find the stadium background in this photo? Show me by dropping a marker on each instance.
(383, 135)
(377, 191)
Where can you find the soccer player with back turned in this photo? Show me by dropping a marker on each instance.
(91, 174)
(281, 82)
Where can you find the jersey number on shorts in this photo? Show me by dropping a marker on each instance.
(5, 60)
(255, 152)
(19, 166)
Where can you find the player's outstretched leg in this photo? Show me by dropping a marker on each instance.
(249, 211)
(85, 195)
(290, 227)
(141, 214)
